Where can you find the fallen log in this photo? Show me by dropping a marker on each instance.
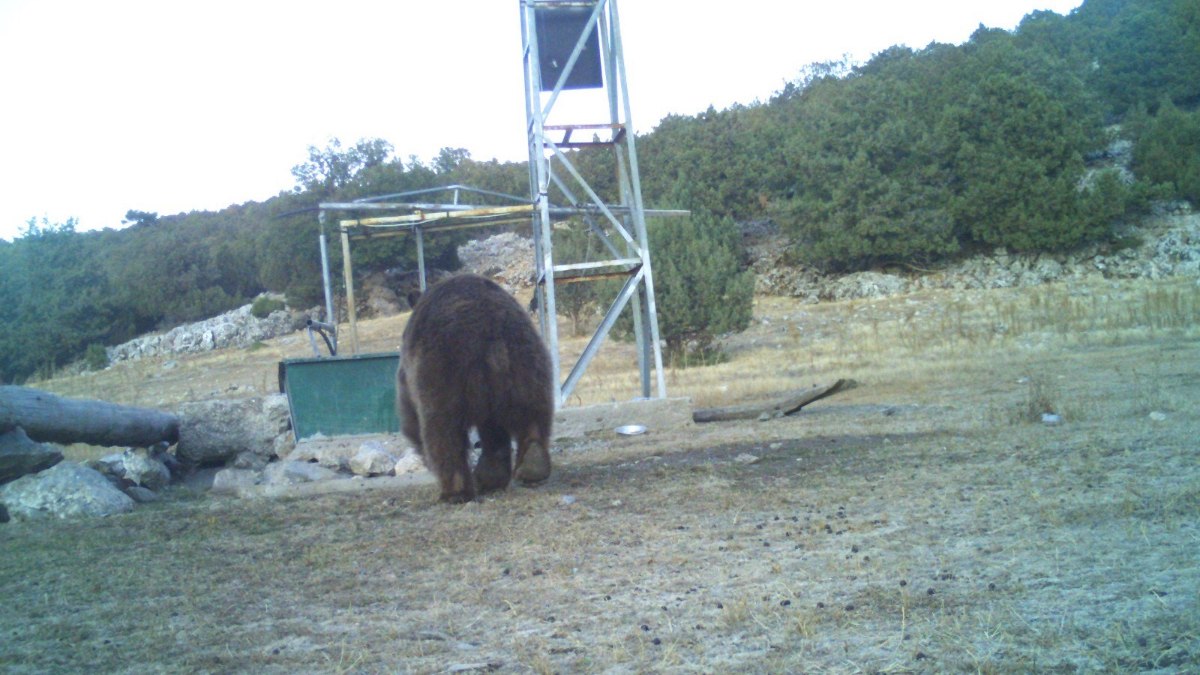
(48, 418)
(762, 411)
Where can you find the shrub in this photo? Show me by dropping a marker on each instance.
(575, 245)
(95, 357)
(699, 287)
(264, 305)
(1167, 150)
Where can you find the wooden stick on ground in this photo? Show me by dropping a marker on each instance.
(761, 411)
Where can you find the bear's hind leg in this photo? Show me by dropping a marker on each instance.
(406, 410)
(445, 454)
(533, 457)
(494, 470)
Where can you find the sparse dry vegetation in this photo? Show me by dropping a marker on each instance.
(924, 521)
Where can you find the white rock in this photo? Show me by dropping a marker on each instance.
(410, 463)
(335, 456)
(1158, 416)
(141, 495)
(66, 490)
(372, 460)
(231, 480)
(289, 472)
(145, 471)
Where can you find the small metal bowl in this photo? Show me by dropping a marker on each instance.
(631, 429)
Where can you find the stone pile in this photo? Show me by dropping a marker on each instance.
(321, 459)
(506, 258)
(225, 445)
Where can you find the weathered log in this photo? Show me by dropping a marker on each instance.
(754, 411)
(48, 418)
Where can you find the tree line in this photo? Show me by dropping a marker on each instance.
(914, 156)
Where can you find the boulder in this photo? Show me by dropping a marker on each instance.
(335, 456)
(411, 462)
(337, 453)
(230, 480)
(66, 490)
(112, 466)
(140, 494)
(20, 456)
(216, 432)
(289, 472)
(145, 471)
(372, 460)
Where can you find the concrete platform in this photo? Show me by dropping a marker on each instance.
(593, 421)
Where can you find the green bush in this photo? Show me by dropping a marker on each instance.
(1166, 151)
(700, 289)
(264, 305)
(95, 357)
(577, 244)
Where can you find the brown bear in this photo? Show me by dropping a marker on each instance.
(472, 358)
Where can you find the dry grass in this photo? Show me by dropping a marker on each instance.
(925, 521)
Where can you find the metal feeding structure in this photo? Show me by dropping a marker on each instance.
(568, 46)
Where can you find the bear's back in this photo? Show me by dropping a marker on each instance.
(470, 340)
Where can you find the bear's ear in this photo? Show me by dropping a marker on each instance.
(413, 297)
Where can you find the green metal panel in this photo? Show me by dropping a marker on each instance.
(341, 396)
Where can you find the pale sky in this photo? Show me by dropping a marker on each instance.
(173, 106)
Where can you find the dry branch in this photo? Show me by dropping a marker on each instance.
(48, 418)
(754, 411)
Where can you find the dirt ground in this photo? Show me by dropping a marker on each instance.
(927, 520)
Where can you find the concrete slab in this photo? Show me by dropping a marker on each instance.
(599, 420)
(338, 486)
(593, 422)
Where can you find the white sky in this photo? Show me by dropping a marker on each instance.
(173, 106)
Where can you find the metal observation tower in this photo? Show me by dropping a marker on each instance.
(571, 48)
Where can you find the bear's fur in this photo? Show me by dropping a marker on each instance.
(472, 358)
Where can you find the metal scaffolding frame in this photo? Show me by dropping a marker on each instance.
(586, 27)
(582, 41)
(404, 214)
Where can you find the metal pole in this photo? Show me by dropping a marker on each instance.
(638, 210)
(330, 318)
(420, 255)
(539, 175)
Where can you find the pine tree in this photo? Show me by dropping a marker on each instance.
(700, 288)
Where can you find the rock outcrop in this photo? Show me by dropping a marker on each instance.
(1167, 244)
(236, 328)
